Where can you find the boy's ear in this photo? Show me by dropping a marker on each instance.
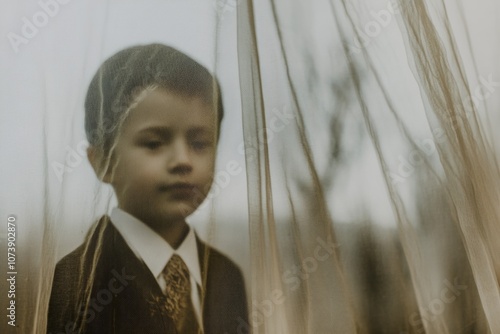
(101, 167)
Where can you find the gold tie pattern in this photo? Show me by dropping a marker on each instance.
(178, 296)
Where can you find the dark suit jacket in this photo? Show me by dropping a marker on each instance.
(124, 297)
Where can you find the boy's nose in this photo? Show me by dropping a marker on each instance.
(180, 159)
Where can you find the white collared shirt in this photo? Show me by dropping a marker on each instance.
(147, 245)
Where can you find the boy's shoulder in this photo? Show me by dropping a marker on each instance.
(217, 262)
(89, 247)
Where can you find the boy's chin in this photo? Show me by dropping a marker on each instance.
(179, 212)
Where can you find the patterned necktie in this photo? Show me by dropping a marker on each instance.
(178, 296)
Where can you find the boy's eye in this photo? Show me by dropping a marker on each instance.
(200, 145)
(152, 144)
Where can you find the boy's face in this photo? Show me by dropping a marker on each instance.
(164, 158)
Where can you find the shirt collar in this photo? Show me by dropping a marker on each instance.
(147, 244)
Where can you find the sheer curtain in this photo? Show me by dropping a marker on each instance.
(357, 170)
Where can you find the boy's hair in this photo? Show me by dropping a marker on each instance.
(117, 82)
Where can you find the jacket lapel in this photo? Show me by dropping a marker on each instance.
(139, 306)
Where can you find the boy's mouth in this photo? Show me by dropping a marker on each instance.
(179, 190)
(177, 186)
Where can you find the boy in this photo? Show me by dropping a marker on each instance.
(152, 118)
